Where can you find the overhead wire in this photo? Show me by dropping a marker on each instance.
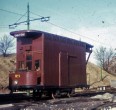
(70, 31)
(77, 34)
(73, 32)
(3, 26)
(22, 15)
(10, 11)
(36, 14)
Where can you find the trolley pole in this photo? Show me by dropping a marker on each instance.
(28, 20)
(43, 19)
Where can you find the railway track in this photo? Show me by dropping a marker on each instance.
(82, 93)
(81, 100)
(7, 98)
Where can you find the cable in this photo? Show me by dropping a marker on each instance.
(13, 12)
(10, 12)
(54, 25)
(48, 22)
(36, 14)
(76, 33)
(3, 26)
(71, 31)
(21, 17)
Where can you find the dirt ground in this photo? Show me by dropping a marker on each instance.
(72, 103)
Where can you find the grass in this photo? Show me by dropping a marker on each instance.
(94, 76)
(5, 67)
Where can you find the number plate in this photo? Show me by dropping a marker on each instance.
(17, 75)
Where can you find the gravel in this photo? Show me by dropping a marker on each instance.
(98, 102)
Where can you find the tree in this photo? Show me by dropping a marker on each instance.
(109, 55)
(6, 44)
(103, 56)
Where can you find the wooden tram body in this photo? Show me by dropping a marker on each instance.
(48, 62)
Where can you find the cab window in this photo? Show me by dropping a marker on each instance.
(29, 62)
(29, 57)
(37, 65)
(29, 65)
(21, 65)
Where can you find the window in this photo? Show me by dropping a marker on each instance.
(37, 65)
(29, 65)
(29, 57)
(21, 65)
(29, 62)
(25, 40)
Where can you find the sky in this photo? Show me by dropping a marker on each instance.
(91, 21)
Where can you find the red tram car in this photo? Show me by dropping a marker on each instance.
(48, 62)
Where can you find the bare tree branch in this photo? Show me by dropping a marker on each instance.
(6, 44)
(104, 56)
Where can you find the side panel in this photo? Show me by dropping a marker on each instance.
(64, 62)
(51, 63)
(73, 70)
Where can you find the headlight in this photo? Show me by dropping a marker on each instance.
(15, 82)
